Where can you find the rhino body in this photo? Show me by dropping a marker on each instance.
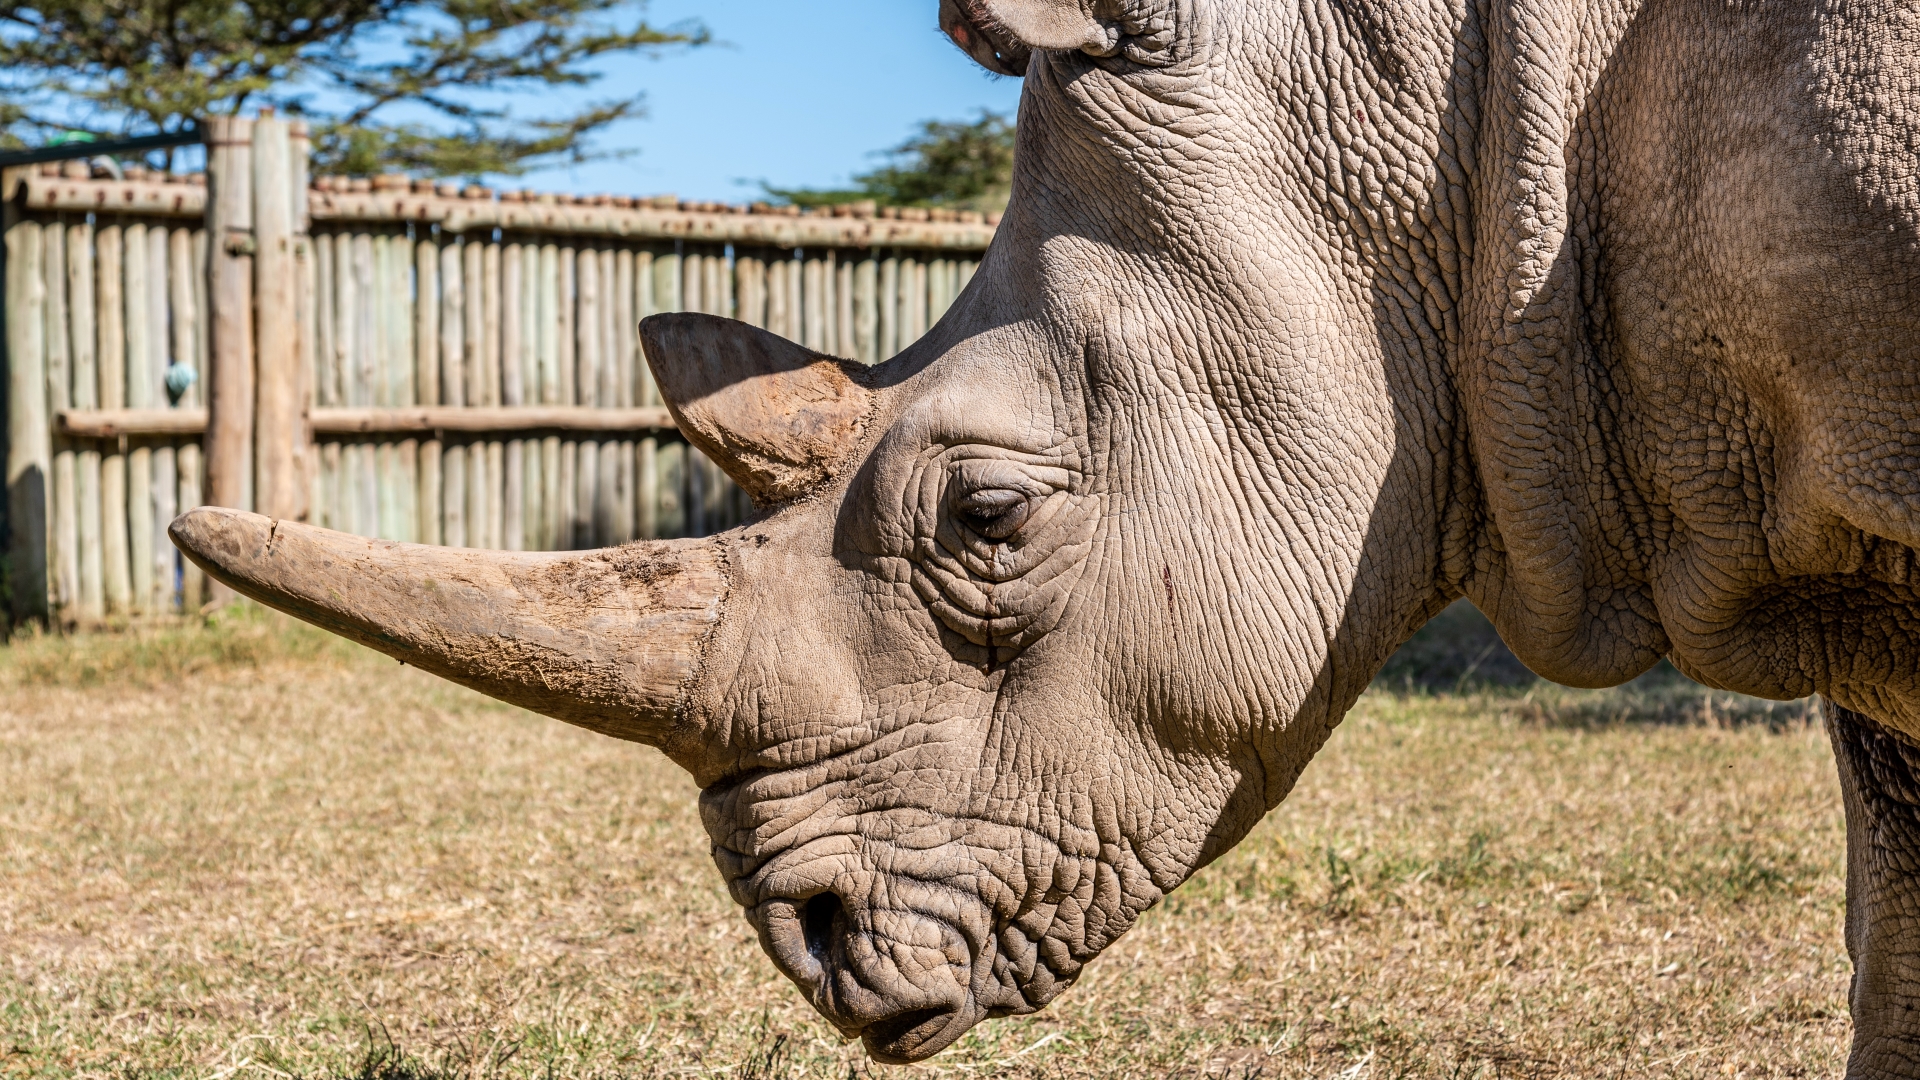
(1307, 318)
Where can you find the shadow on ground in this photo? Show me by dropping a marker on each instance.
(1460, 653)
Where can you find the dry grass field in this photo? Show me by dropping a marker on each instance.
(245, 850)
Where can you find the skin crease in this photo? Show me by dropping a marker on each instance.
(1306, 318)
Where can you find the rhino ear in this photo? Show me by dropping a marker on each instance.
(778, 417)
(1002, 34)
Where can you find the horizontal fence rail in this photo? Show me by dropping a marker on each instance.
(460, 367)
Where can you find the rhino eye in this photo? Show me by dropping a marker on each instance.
(995, 513)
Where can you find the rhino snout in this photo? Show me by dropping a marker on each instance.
(900, 995)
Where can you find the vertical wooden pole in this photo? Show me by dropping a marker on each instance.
(846, 331)
(565, 319)
(29, 437)
(671, 516)
(474, 333)
(184, 310)
(426, 319)
(193, 580)
(587, 330)
(452, 389)
(399, 323)
(494, 536)
(625, 349)
(777, 294)
(544, 465)
(513, 496)
(511, 310)
(887, 303)
(334, 256)
(431, 470)
(492, 316)
(387, 464)
(917, 299)
(364, 379)
(693, 265)
(491, 379)
(63, 545)
(163, 481)
(533, 516)
(230, 390)
(276, 329)
(607, 391)
(510, 304)
(159, 331)
(85, 395)
(646, 489)
(606, 490)
(163, 491)
(111, 347)
(190, 455)
(325, 511)
(567, 490)
(184, 326)
(306, 454)
(813, 291)
(366, 487)
(453, 323)
(136, 293)
(453, 512)
(408, 452)
(379, 316)
(866, 316)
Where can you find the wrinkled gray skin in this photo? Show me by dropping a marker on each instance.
(1309, 316)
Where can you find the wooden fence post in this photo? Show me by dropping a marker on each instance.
(230, 319)
(276, 325)
(306, 453)
(29, 438)
(230, 286)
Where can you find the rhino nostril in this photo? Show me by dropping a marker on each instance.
(817, 922)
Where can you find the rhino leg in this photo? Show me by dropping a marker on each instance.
(1880, 784)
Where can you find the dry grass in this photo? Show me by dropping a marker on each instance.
(246, 851)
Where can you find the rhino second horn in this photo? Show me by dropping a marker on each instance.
(778, 417)
(606, 640)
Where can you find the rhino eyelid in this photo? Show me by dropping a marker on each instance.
(995, 513)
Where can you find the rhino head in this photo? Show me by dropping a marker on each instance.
(1043, 614)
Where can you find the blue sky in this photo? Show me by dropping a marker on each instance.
(800, 93)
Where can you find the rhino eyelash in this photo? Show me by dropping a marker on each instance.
(995, 513)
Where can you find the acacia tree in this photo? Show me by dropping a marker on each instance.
(965, 165)
(386, 84)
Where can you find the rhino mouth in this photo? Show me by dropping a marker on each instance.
(912, 1036)
(902, 994)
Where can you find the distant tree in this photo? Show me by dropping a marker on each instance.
(386, 84)
(965, 165)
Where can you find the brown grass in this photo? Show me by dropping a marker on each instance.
(245, 851)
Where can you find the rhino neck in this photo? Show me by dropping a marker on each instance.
(1455, 171)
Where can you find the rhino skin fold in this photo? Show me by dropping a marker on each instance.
(605, 640)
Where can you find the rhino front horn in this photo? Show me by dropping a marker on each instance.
(778, 417)
(604, 639)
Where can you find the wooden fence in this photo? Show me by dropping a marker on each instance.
(388, 357)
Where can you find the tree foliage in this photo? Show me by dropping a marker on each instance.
(386, 84)
(965, 165)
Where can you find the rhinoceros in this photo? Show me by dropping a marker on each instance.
(1307, 317)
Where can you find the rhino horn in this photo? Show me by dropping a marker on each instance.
(778, 417)
(604, 639)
